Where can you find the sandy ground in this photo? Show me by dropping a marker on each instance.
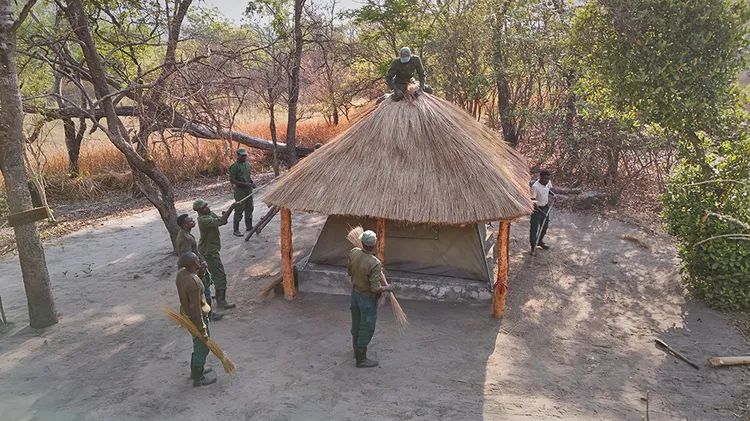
(577, 342)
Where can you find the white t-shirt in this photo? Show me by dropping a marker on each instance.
(540, 193)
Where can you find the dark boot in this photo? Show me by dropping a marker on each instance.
(354, 346)
(205, 371)
(543, 245)
(216, 316)
(237, 232)
(249, 223)
(199, 379)
(362, 361)
(221, 299)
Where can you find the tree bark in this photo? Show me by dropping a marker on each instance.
(291, 127)
(501, 283)
(287, 264)
(36, 280)
(272, 128)
(143, 168)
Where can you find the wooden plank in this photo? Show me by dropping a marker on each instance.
(287, 265)
(725, 361)
(27, 217)
(501, 284)
(381, 241)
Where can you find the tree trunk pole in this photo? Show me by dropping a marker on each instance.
(287, 268)
(30, 251)
(381, 241)
(501, 284)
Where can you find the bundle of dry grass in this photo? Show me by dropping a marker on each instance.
(422, 160)
(398, 312)
(185, 322)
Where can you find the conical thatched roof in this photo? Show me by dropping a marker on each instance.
(422, 161)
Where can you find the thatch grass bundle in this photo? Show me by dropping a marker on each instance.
(185, 322)
(398, 312)
(423, 161)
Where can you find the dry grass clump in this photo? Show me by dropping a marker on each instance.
(185, 322)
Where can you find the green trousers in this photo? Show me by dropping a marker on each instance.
(247, 208)
(207, 282)
(200, 349)
(216, 270)
(364, 316)
(538, 219)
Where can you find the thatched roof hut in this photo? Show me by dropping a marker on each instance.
(427, 168)
(426, 161)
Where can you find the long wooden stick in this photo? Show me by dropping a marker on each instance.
(677, 353)
(263, 222)
(2, 312)
(726, 361)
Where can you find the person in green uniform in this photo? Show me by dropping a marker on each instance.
(210, 246)
(401, 74)
(367, 285)
(193, 305)
(239, 178)
(186, 243)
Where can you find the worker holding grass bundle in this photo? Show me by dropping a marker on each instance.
(367, 286)
(401, 74)
(193, 305)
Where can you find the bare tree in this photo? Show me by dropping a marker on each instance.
(294, 81)
(30, 250)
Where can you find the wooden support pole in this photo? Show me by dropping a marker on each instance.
(287, 264)
(501, 283)
(381, 241)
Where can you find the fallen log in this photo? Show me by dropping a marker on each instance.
(263, 222)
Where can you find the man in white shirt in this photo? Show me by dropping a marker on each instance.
(540, 193)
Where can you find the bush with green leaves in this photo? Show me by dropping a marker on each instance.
(711, 220)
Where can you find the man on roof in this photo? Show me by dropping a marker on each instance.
(210, 246)
(243, 185)
(401, 74)
(367, 286)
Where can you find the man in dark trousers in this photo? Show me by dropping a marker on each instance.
(186, 243)
(243, 185)
(401, 74)
(193, 305)
(367, 286)
(540, 193)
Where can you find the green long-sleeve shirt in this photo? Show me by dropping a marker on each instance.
(402, 73)
(208, 225)
(366, 271)
(240, 171)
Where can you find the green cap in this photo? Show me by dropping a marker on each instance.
(241, 151)
(318, 145)
(199, 204)
(368, 238)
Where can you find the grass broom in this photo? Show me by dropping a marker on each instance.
(185, 322)
(398, 312)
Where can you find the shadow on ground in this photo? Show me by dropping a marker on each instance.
(576, 342)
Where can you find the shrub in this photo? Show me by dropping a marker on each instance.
(710, 220)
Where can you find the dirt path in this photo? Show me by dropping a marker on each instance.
(576, 343)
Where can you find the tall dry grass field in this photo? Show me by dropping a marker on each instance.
(103, 168)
